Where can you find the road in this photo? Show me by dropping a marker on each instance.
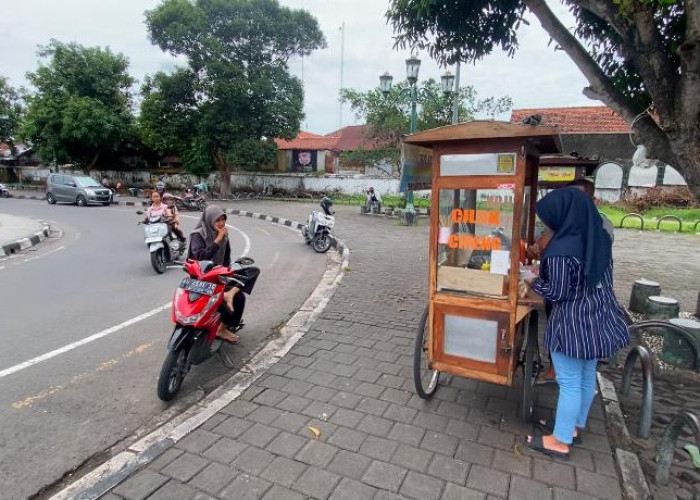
(64, 399)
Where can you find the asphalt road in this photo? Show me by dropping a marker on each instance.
(63, 401)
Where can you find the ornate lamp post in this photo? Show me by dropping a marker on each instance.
(413, 91)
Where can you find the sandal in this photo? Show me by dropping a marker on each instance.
(229, 337)
(536, 444)
(547, 428)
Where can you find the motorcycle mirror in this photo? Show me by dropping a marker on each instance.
(245, 261)
(139, 212)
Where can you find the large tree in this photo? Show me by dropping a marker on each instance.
(81, 108)
(390, 115)
(640, 57)
(11, 111)
(236, 94)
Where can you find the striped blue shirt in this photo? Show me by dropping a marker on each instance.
(585, 322)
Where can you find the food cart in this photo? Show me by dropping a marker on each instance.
(479, 323)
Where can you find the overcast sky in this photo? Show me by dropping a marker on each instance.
(536, 77)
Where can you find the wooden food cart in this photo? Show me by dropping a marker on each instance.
(477, 323)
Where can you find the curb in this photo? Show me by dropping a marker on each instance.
(108, 475)
(26, 242)
(634, 483)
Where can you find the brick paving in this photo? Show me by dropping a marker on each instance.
(350, 377)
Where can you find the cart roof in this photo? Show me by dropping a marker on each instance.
(545, 139)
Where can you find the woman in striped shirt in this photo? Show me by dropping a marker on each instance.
(586, 323)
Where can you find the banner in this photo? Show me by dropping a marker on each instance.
(303, 161)
(416, 168)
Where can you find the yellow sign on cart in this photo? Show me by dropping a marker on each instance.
(557, 174)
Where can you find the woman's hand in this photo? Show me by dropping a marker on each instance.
(221, 234)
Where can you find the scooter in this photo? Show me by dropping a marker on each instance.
(164, 246)
(5, 192)
(196, 316)
(190, 202)
(317, 231)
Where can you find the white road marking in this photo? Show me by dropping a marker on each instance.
(262, 230)
(37, 257)
(86, 340)
(274, 260)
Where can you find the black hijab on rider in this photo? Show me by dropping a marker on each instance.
(578, 231)
(205, 228)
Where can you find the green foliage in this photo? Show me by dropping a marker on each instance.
(453, 30)
(390, 116)
(81, 107)
(11, 111)
(236, 93)
(469, 30)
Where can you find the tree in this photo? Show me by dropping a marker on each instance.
(640, 57)
(82, 105)
(390, 116)
(236, 94)
(11, 111)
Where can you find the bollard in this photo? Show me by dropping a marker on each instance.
(637, 216)
(667, 446)
(648, 390)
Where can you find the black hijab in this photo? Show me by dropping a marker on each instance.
(578, 231)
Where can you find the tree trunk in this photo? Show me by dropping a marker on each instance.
(686, 148)
(224, 171)
(92, 163)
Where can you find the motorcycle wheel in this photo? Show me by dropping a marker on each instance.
(201, 205)
(158, 261)
(172, 373)
(321, 243)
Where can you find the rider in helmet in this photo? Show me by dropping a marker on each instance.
(169, 200)
(160, 187)
(326, 204)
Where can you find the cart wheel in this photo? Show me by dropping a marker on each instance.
(531, 369)
(426, 380)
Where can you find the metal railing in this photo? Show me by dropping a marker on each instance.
(670, 217)
(647, 390)
(638, 216)
(667, 446)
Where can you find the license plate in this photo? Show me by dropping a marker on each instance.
(197, 286)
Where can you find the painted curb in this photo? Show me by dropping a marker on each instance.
(26, 242)
(634, 483)
(108, 475)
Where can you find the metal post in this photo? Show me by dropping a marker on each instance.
(342, 64)
(667, 446)
(410, 211)
(455, 103)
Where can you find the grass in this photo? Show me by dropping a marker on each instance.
(651, 217)
(389, 200)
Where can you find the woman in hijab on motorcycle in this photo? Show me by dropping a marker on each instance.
(209, 241)
(586, 323)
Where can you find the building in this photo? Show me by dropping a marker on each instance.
(596, 134)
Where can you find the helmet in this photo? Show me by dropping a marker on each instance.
(160, 187)
(168, 197)
(326, 204)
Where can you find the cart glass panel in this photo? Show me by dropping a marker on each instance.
(474, 241)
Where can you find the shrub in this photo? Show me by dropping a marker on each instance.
(679, 196)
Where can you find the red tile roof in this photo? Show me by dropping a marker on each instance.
(354, 137)
(308, 140)
(579, 120)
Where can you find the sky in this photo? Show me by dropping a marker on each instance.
(536, 77)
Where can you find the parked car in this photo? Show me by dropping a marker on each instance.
(79, 189)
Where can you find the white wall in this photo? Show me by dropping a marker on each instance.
(290, 182)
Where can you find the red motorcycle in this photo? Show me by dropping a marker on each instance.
(196, 316)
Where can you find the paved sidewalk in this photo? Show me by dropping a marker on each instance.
(19, 233)
(350, 378)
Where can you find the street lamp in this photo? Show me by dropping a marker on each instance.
(412, 69)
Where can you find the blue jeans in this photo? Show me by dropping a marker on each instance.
(576, 379)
